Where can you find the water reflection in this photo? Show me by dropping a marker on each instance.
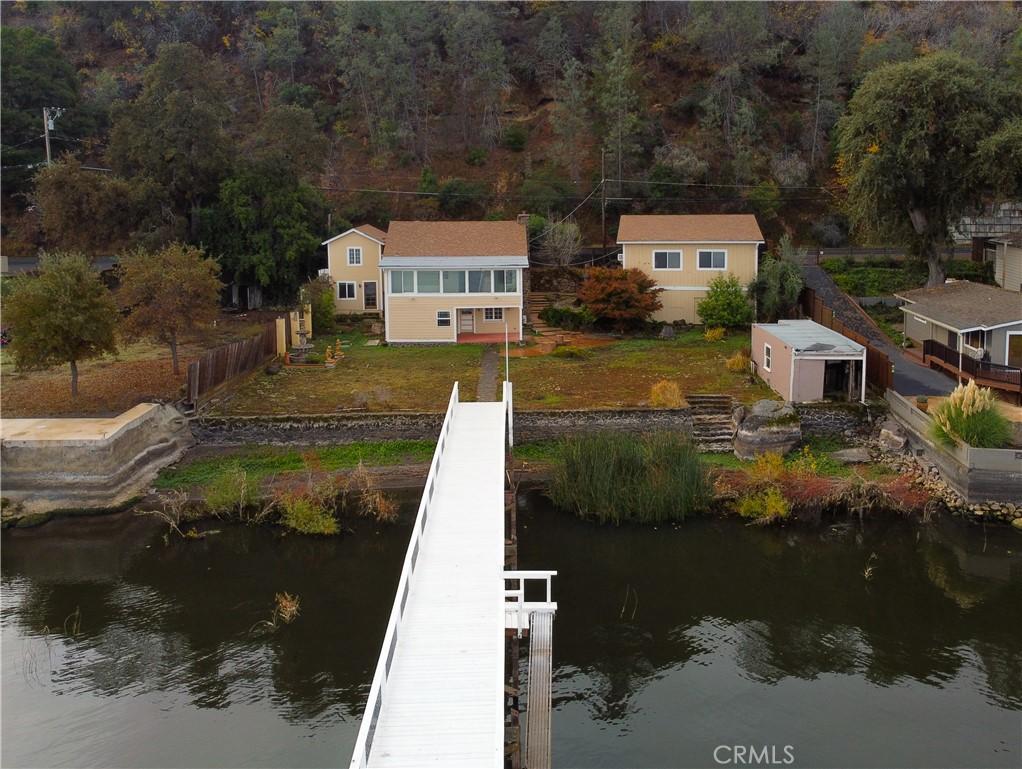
(782, 624)
(667, 643)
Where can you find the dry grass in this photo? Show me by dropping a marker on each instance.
(621, 375)
(367, 378)
(109, 385)
(665, 394)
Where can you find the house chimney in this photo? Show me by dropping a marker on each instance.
(523, 219)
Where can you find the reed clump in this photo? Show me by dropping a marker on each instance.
(738, 363)
(616, 478)
(372, 501)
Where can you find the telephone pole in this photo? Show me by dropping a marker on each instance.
(49, 115)
(603, 198)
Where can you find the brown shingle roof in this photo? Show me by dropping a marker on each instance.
(963, 304)
(691, 228)
(372, 232)
(456, 239)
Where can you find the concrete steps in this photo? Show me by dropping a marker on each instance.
(712, 426)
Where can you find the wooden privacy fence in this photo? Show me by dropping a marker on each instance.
(878, 366)
(222, 364)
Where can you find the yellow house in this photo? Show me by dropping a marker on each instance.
(353, 259)
(684, 252)
(454, 281)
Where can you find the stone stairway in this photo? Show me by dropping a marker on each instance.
(539, 301)
(712, 425)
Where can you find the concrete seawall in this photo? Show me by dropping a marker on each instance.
(82, 464)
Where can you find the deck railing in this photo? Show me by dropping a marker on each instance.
(367, 730)
(993, 373)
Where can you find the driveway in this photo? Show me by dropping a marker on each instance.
(910, 377)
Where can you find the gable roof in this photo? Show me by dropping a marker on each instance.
(964, 305)
(1010, 239)
(373, 233)
(689, 228)
(456, 239)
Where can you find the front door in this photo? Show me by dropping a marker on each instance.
(369, 295)
(1014, 349)
(466, 322)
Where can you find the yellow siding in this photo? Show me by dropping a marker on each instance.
(337, 262)
(684, 285)
(412, 318)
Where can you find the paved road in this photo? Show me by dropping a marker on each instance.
(910, 378)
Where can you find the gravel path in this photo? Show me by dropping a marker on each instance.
(489, 367)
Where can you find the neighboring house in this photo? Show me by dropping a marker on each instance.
(970, 330)
(353, 260)
(804, 361)
(1007, 259)
(454, 281)
(683, 253)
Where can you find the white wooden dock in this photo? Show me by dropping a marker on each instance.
(437, 697)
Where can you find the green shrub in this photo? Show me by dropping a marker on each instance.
(515, 137)
(313, 357)
(476, 156)
(304, 514)
(610, 477)
(764, 506)
(970, 416)
(725, 304)
(320, 293)
(231, 492)
(572, 352)
(571, 318)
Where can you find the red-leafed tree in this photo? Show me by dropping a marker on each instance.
(625, 297)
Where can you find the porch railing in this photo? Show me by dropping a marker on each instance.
(975, 369)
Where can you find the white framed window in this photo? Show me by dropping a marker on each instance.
(454, 281)
(402, 282)
(712, 259)
(667, 260)
(505, 281)
(443, 317)
(346, 290)
(354, 257)
(768, 356)
(428, 281)
(479, 281)
(493, 313)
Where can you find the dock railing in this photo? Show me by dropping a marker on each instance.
(514, 597)
(367, 730)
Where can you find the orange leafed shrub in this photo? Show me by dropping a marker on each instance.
(625, 297)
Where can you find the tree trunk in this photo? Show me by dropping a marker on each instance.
(74, 379)
(173, 353)
(935, 265)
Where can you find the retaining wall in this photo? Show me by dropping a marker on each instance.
(80, 464)
(978, 475)
(825, 419)
(349, 428)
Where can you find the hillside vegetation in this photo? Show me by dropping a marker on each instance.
(257, 129)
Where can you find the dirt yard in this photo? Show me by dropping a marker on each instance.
(112, 384)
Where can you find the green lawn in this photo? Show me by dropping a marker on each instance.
(262, 462)
(622, 373)
(370, 378)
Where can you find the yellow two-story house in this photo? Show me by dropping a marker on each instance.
(684, 252)
(353, 259)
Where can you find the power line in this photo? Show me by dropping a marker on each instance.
(564, 218)
(715, 184)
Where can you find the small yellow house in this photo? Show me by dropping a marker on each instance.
(454, 281)
(684, 252)
(353, 259)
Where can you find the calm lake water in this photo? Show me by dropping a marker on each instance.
(667, 644)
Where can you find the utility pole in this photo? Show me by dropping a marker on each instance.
(49, 115)
(603, 198)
